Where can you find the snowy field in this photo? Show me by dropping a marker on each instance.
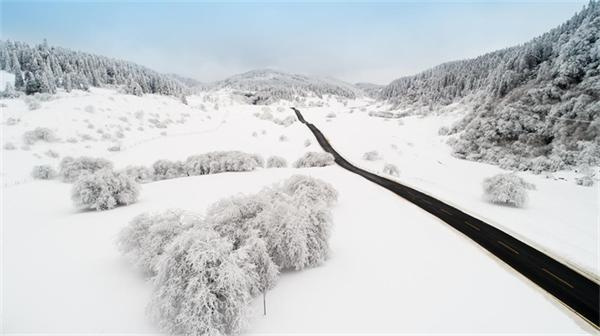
(393, 269)
(560, 217)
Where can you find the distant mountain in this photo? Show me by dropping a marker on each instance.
(189, 82)
(372, 90)
(266, 86)
(43, 68)
(536, 106)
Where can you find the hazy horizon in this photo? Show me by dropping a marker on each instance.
(354, 42)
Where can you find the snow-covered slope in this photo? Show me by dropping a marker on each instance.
(267, 86)
(393, 268)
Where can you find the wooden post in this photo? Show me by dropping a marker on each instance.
(265, 303)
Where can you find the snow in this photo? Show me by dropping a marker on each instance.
(393, 269)
(561, 218)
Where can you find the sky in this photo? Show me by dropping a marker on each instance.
(354, 41)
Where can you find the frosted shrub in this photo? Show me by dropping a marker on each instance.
(297, 233)
(331, 115)
(89, 109)
(310, 189)
(39, 134)
(114, 148)
(276, 162)
(265, 115)
(257, 260)
(72, 168)
(506, 189)
(283, 138)
(165, 169)
(260, 162)
(9, 146)
(371, 156)
(307, 143)
(314, 159)
(32, 102)
(287, 121)
(221, 161)
(52, 154)
(202, 286)
(104, 190)
(144, 240)
(12, 121)
(43, 172)
(391, 169)
(444, 130)
(586, 180)
(139, 174)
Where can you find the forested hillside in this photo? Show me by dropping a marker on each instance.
(42, 68)
(536, 105)
(267, 86)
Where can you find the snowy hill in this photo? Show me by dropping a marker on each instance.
(266, 86)
(532, 107)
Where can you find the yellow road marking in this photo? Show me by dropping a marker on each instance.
(508, 247)
(557, 277)
(472, 225)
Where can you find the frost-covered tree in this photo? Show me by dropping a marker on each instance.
(104, 190)
(276, 162)
(43, 172)
(202, 286)
(391, 169)
(222, 161)
(39, 134)
(507, 189)
(309, 189)
(165, 169)
(70, 169)
(314, 159)
(140, 174)
(146, 237)
(371, 156)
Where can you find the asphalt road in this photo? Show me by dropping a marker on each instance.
(573, 289)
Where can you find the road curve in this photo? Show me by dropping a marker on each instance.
(573, 289)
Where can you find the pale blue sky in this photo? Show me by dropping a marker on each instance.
(353, 41)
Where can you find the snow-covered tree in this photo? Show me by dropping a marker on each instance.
(276, 162)
(314, 159)
(146, 237)
(39, 134)
(43, 172)
(104, 190)
(309, 189)
(391, 169)
(371, 156)
(507, 189)
(202, 286)
(70, 169)
(140, 174)
(165, 169)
